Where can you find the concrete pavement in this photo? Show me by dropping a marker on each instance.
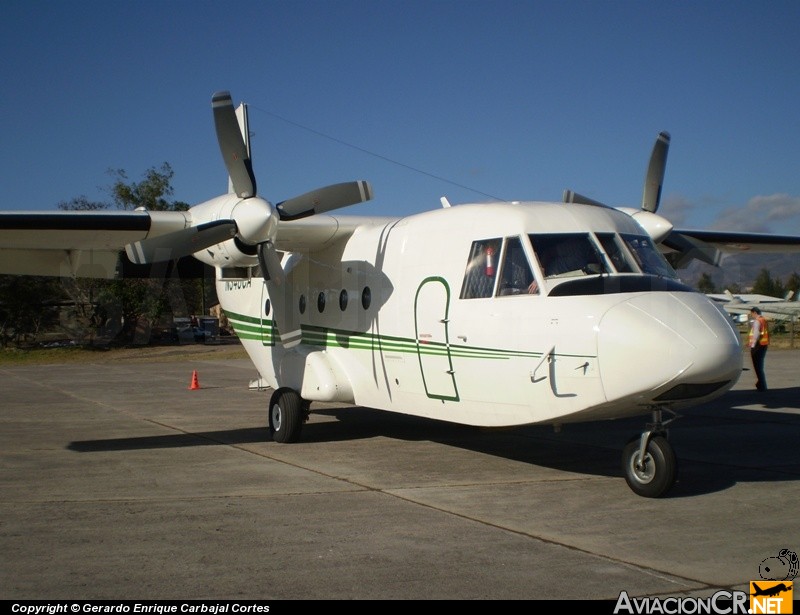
(119, 482)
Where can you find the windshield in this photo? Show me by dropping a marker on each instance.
(648, 258)
(563, 255)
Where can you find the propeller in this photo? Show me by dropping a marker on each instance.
(324, 199)
(232, 146)
(651, 195)
(180, 243)
(656, 226)
(252, 221)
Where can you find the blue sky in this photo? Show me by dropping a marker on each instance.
(466, 99)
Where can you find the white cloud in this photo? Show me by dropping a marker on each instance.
(775, 213)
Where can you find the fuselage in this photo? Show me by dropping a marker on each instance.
(490, 314)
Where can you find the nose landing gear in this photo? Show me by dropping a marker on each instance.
(648, 461)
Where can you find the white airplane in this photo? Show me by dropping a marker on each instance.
(490, 314)
(772, 308)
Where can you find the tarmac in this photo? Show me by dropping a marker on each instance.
(120, 482)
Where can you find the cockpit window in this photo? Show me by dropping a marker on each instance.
(648, 258)
(516, 277)
(481, 269)
(613, 248)
(567, 255)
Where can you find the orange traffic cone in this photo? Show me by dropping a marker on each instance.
(195, 382)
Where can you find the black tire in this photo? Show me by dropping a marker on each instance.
(659, 472)
(286, 416)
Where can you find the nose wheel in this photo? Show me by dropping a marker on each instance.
(648, 461)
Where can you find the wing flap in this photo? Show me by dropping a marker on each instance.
(76, 243)
(60, 263)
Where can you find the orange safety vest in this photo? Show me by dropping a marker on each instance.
(763, 337)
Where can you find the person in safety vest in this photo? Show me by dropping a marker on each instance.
(758, 342)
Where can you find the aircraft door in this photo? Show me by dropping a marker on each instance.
(431, 309)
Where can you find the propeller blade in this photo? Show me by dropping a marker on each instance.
(180, 243)
(325, 199)
(270, 263)
(275, 278)
(651, 195)
(232, 145)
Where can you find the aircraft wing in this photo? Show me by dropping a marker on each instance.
(777, 312)
(89, 244)
(711, 246)
(76, 243)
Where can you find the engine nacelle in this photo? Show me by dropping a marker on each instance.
(256, 222)
(657, 227)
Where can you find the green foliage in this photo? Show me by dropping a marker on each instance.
(706, 285)
(28, 305)
(765, 285)
(793, 284)
(102, 310)
(150, 193)
(81, 203)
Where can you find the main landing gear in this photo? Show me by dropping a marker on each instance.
(648, 461)
(287, 413)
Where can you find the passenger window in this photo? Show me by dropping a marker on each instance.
(567, 255)
(516, 277)
(481, 269)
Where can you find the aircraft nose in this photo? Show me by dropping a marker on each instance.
(667, 348)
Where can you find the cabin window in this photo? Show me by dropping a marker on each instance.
(366, 298)
(516, 277)
(301, 305)
(481, 269)
(343, 299)
(649, 259)
(321, 302)
(563, 255)
(619, 259)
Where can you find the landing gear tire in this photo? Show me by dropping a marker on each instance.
(287, 414)
(654, 475)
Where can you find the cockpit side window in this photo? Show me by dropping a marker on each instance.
(647, 256)
(516, 277)
(481, 271)
(619, 258)
(567, 255)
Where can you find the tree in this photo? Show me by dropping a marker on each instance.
(149, 193)
(81, 203)
(706, 285)
(28, 306)
(793, 283)
(765, 285)
(129, 307)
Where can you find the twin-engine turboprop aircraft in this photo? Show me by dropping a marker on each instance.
(492, 314)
